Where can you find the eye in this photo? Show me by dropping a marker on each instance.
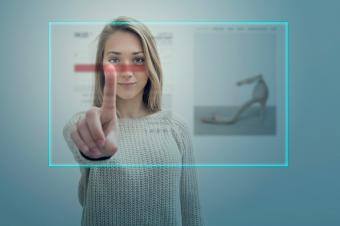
(113, 60)
(139, 60)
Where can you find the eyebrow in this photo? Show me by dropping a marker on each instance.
(119, 53)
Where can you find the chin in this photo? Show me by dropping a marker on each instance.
(127, 96)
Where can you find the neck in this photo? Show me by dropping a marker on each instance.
(132, 108)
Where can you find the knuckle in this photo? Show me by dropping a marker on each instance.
(81, 146)
(91, 144)
(81, 125)
(97, 134)
(90, 113)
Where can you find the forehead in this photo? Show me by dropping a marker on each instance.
(124, 42)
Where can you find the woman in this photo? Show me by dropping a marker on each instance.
(127, 126)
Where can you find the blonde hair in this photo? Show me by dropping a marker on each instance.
(153, 88)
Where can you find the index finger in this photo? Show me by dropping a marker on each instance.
(109, 93)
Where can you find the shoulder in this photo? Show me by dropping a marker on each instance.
(179, 129)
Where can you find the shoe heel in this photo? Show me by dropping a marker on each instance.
(263, 105)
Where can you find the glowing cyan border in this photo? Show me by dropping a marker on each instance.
(174, 22)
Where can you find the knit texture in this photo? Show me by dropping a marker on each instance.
(142, 195)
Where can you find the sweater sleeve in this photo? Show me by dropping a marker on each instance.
(78, 156)
(189, 194)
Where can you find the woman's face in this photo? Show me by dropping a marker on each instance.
(124, 50)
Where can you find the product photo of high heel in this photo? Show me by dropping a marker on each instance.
(260, 95)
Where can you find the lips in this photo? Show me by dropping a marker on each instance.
(128, 83)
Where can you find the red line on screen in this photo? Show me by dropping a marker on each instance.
(78, 68)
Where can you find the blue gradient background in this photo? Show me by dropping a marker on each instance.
(305, 193)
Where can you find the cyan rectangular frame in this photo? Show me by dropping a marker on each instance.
(285, 164)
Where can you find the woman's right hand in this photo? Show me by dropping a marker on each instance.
(95, 134)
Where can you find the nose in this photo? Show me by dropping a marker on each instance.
(126, 75)
(126, 70)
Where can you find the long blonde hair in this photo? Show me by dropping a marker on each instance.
(153, 88)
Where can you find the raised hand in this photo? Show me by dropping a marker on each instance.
(96, 133)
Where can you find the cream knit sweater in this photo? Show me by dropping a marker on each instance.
(141, 195)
